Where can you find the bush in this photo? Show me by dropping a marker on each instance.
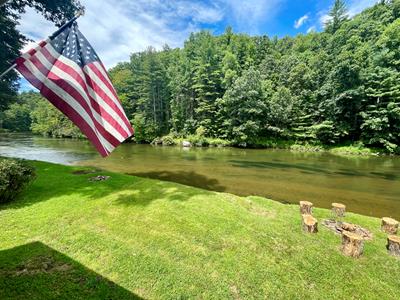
(168, 141)
(326, 132)
(14, 177)
(216, 142)
(198, 141)
(157, 141)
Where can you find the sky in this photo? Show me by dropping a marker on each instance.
(117, 28)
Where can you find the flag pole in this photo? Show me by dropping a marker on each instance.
(77, 15)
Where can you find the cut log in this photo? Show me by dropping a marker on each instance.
(349, 227)
(390, 225)
(352, 244)
(310, 224)
(306, 208)
(393, 245)
(338, 210)
(339, 227)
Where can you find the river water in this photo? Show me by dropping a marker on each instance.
(370, 186)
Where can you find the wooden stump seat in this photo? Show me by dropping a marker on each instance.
(310, 224)
(390, 225)
(352, 244)
(349, 227)
(306, 208)
(393, 245)
(338, 210)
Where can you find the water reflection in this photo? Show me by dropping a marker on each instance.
(369, 186)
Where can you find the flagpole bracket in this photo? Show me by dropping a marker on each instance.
(80, 12)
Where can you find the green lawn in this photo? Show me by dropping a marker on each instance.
(128, 237)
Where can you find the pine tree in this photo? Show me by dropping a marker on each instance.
(337, 16)
(244, 107)
(207, 82)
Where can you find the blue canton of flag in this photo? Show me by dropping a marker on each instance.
(67, 71)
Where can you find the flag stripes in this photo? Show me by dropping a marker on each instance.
(83, 93)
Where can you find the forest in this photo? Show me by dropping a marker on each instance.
(339, 86)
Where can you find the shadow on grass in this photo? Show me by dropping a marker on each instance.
(149, 191)
(56, 181)
(36, 271)
(184, 177)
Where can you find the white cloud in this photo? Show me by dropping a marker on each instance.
(354, 7)
(300, 22)
(248, 15)
(118, 28)
(323, 18)
(312, 29)
(357, 6)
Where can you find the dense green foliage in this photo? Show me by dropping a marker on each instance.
(131, 236)
(14, 176)
(33, 113)
(12, 41)
(336, 86)
(340, 86)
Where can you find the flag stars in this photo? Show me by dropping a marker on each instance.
(73, 45)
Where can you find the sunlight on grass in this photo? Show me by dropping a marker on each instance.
(153, 239)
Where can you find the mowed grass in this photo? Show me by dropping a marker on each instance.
(129, 237)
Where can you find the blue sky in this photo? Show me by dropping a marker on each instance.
(116, 28)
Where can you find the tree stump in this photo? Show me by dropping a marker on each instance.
(390, 225)
(338, 210)
(352, 244)
(393, 245)
(306, 208)
(310, 224)
(349, 227)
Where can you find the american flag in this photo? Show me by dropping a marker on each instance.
(67, 71)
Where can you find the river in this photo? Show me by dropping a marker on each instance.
(370, 186)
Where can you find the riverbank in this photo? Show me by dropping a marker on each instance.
(130, 237)
(350, 149)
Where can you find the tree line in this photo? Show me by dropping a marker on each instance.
(341, 85)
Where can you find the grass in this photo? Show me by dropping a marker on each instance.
(129, 237)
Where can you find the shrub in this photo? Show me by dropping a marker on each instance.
(168, 141)
(14, 177)
(326, 132)
(157, 141)
(216, 142)
(198, 141)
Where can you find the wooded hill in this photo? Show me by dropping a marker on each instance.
(336, 86)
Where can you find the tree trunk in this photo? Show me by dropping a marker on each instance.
(306, 208)
(338, 210)
(352, 244)
(389, 225)
(310, 224)
(393, 245)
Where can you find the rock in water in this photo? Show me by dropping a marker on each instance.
(186, 144)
